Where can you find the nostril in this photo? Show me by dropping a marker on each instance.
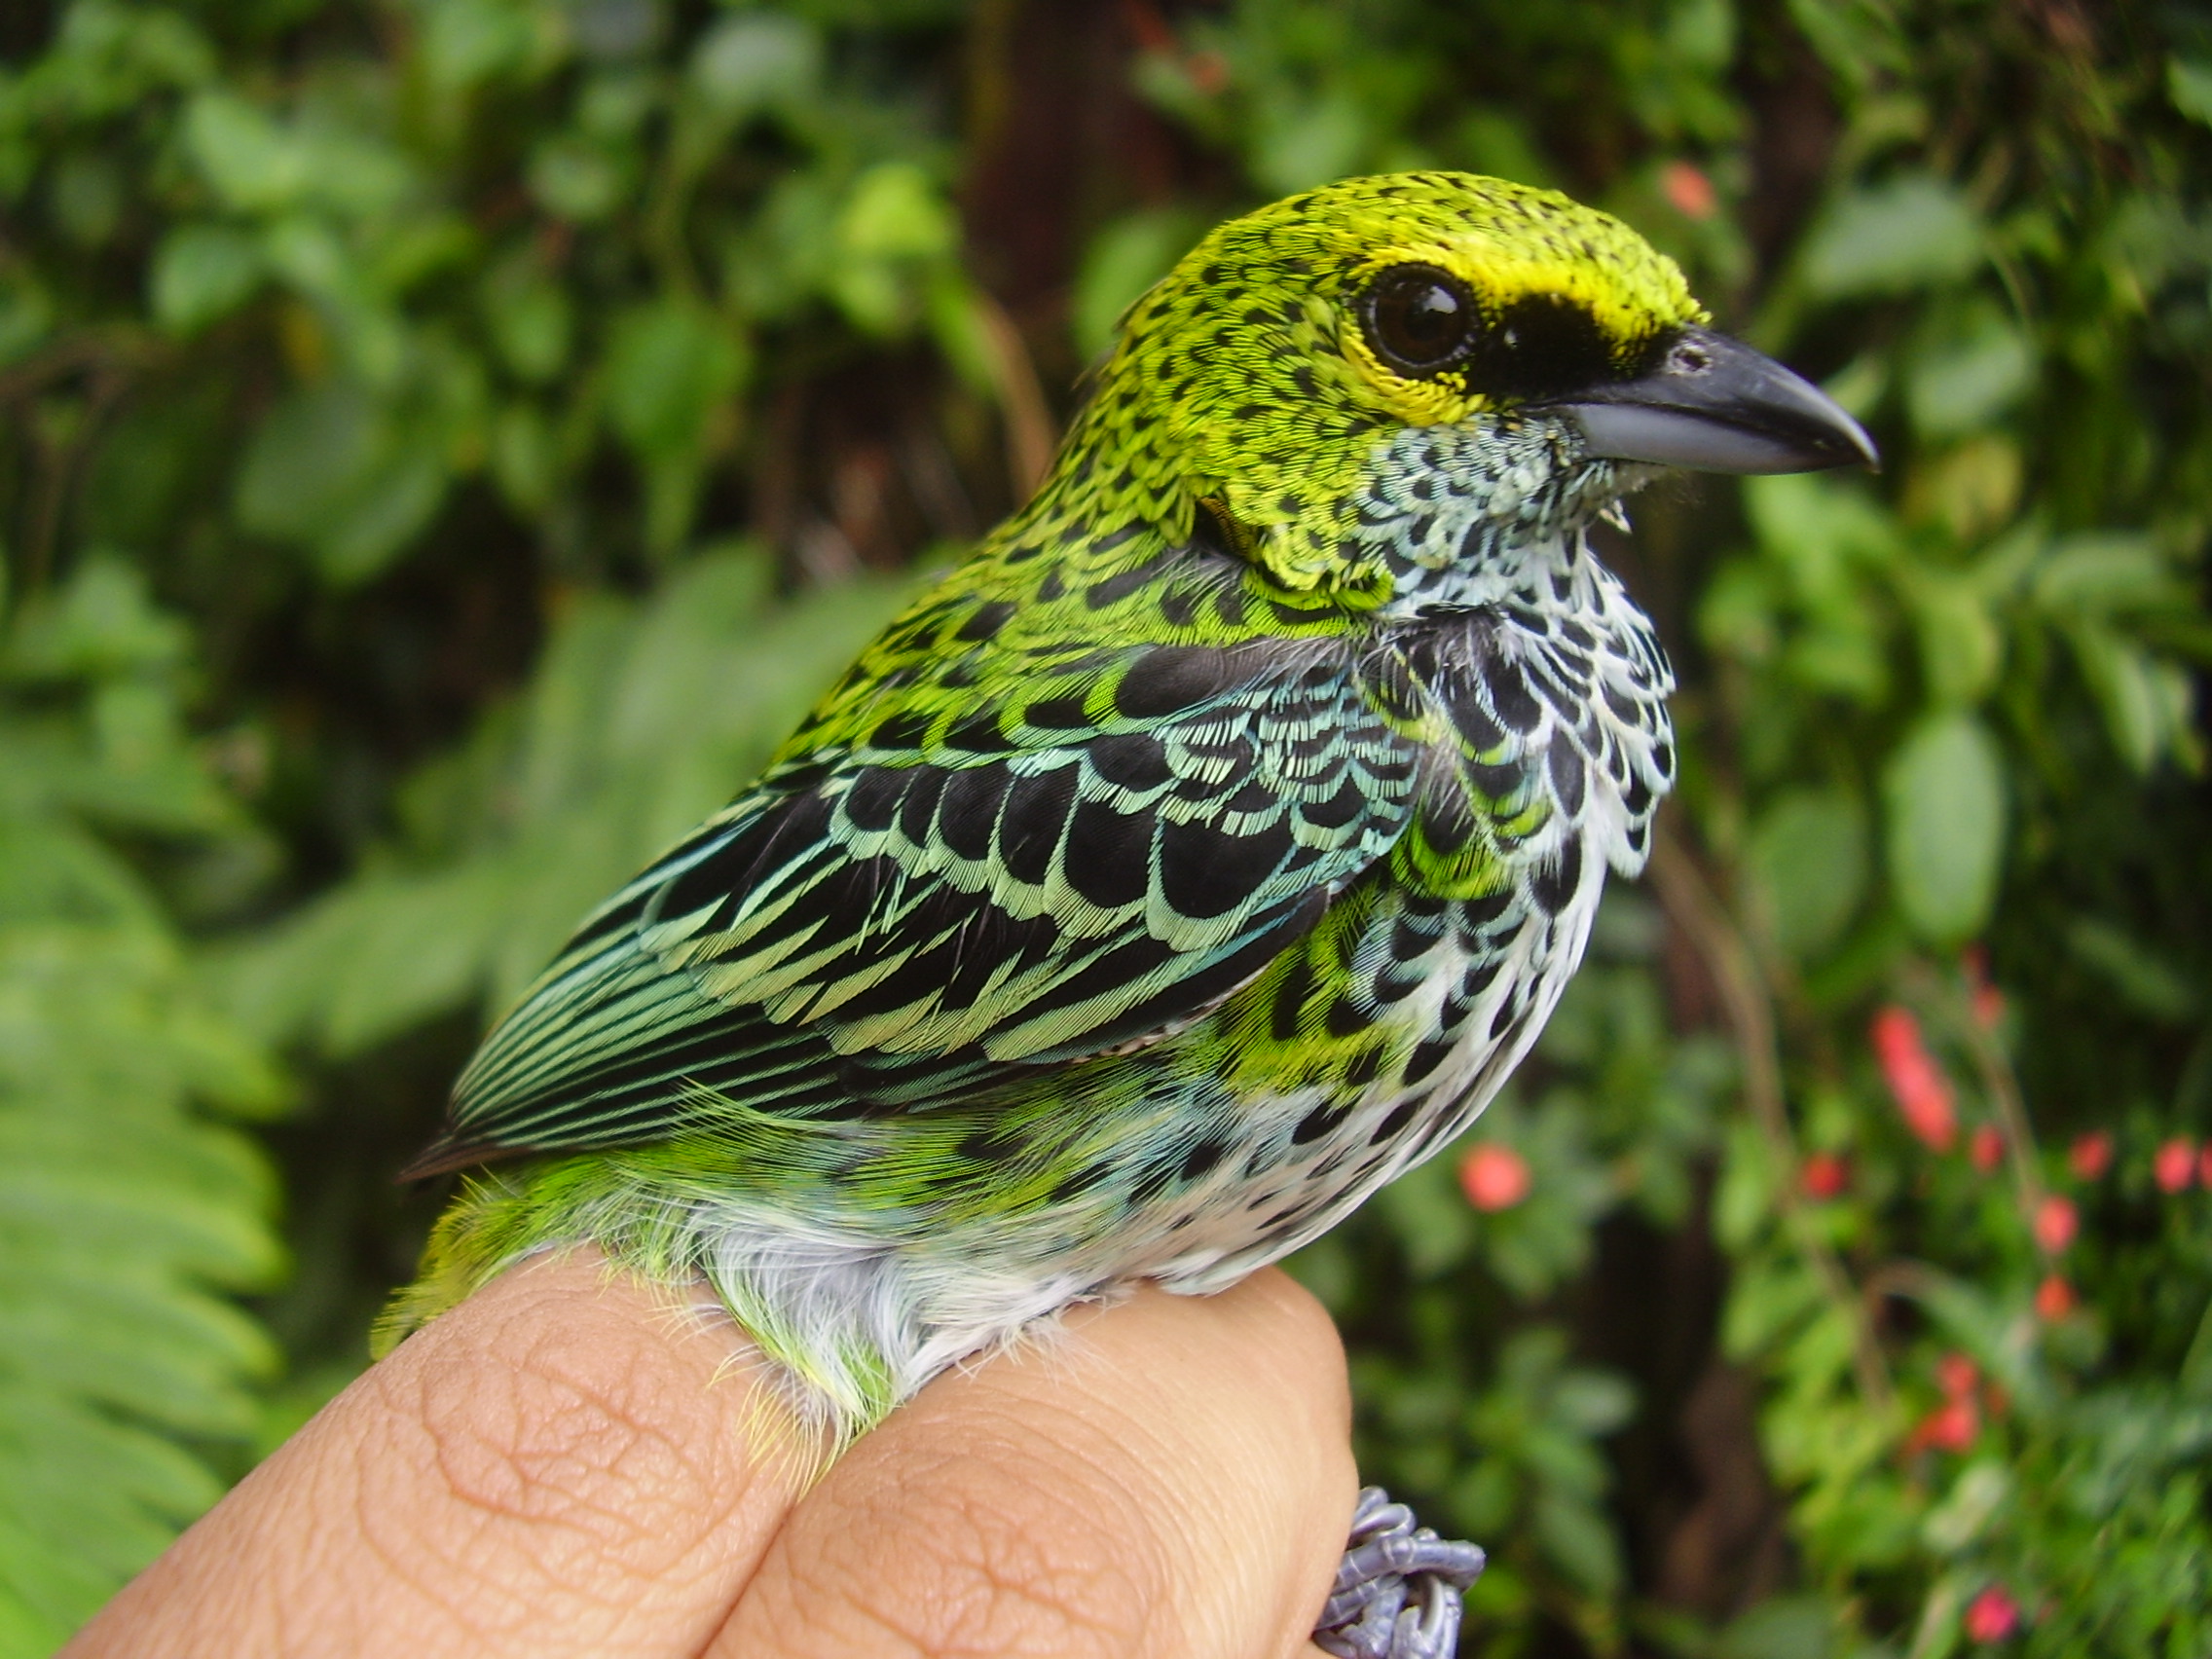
(1691, 359)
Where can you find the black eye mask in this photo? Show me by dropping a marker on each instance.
(1423, 323)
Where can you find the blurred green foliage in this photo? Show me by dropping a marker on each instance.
(445, 443)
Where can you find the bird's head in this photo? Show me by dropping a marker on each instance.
(1263, 377)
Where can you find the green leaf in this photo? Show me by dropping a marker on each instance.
(1914, 232)
(1577, 1538)
(337, 471)
(896, 212)
(2189, 83)
(1744, 1203)
(468, 41)
(894, 224)
(27, 314)
(755, 61)
(576, 180)
(128, 1208)
(103, 623)
(1976, 367)
(1124, 259)
(1808, 859)
(1961, 644)
(529, 318)
(1981, 1487)
(2147, 982)
(668, 366)
(639, 722)
(2148, 702)
(248, 157)
(1431, 1217)
(86, 192)
(200, 273)
(1768, 1301)
(2101, 571)
(1592, 1402)
(1944, 795)
(1298, 145)
(525, 456)
(1787, 1626)
(1817, 526)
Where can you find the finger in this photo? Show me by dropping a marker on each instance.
(557, 1466)
(1170, 1477)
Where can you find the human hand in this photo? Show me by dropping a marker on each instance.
(562, 1465)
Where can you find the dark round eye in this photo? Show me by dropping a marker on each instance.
(1419, 320)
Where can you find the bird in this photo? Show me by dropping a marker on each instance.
(1198, 855)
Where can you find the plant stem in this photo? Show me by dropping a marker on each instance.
(1689, 900)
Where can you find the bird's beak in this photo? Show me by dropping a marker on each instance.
(1715, 405)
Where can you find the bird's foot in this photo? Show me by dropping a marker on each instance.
(1397, 1591)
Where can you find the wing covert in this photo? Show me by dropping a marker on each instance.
(1072, 866)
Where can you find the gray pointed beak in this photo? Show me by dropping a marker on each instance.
(1715, 405)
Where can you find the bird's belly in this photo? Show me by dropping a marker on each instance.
(1192, 1163)
(1312, 1155)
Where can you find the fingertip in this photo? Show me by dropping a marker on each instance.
(558, 1465)
(1291, 1331)
(1168, 1475)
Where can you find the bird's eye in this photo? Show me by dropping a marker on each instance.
(1419, 320)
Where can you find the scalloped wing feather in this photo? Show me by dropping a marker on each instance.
(879, 928)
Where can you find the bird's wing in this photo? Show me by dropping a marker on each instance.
(1071, 865)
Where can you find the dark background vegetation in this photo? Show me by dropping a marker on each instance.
(445, 443)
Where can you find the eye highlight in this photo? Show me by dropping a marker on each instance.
(1418, 320)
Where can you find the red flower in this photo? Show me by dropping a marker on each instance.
(1493, 1177)
(2175, 1164)
(1950, 1427)
(2090, 1155)
(1993, 1615)
(1984, 1146)
(1689, 191)
(1825, 1174)
(2204, 1165)
(2054, 1300)
(1956, 1375)
(1922, 1096)
(2055, 1224)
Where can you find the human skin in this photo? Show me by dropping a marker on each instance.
(564, 1465)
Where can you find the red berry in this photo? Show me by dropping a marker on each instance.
(2055, 1224)
(2175, 1164)
(1494, 1176)
(1825, 1174)
(2090, 1155)
(1951, 1426)
(1956, 1422)
(1985, 1148)
(1689, 191)
(1923, 1095)
(1956, 1375)
(2054, 1300)
(1993, 1615)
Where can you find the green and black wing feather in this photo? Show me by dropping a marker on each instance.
(1005, 863)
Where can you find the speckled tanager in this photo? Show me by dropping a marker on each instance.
(1200, 855)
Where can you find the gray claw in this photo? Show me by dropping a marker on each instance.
(1398, 1589)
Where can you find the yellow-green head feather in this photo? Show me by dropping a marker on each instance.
(1248, 378)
